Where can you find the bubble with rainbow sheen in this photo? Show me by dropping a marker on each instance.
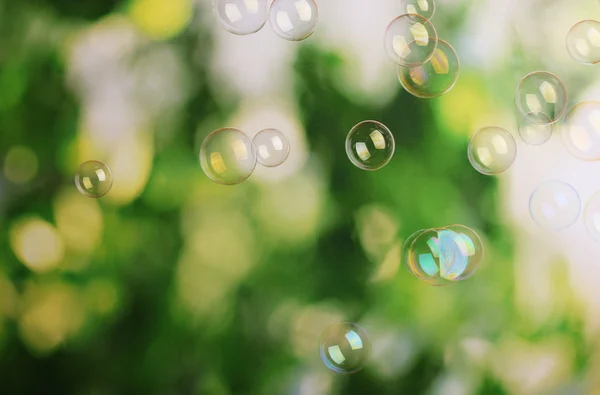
(425, 8)
(370, 145)
(93, 179)
(580, 131)
(410, 40)
(344, 347)
(554, 205)
(441, 256)
(583, 42)
(241, 17)
(434, 77)
(492, 150)
(541, 92)
(294, 20)
(228, 156)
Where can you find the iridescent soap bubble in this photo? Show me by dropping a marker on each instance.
(580, 132)
(444, 255)
(425, 8)
(228, 156)
(93, 179)
(272, 147)
(591, 216)
(492, 150)
(583, 42)
(434, 77)
(535, 129)
(554, 205)
(241, 16)
(541, 92)
(410, 40)
(294, 20)
(370, 145)
(344, 347)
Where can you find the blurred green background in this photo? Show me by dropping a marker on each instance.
(172, 284)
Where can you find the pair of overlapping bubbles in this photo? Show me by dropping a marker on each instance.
(442, 256)
(428, 65)
(293, 20)
(228, 156)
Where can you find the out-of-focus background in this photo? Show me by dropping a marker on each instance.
(172, 284)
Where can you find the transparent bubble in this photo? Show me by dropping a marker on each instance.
(294, 20)
(444, 255)
(580, 132)
(370, 145)
(554, 205)
(93, 179)
(406, 246)
(583, 42)
(535, 129)
(272, 147)
(492, 150)
(591, 216)
(541, 92)
(434, 77)
(241, 16)
(410, 40)
(344, 347)
(228, 156)
(425, 8)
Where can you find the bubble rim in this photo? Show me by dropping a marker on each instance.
(411, 16)
(288, 38)
(401, 68)
(544, 184)
(323, 355)
(202, 158)
(576, 57)
(85, 192)
(350, 153)
(561, 84)
(225, 26)
(287, 154)
(476, 165)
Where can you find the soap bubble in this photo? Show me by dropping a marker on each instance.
(434, 77)
(535, 129)
(591, 216)
(444, 255)
(541, 92)
(580, 131)
(272, 147)
(294, 20)
(93, 179)
(228, 156)
(492, 150)
(425, 8)
(370, 145)
(554, 205)
(344, 347)
(406, 246)
(410, 40)
(241, 16)
(583, 42)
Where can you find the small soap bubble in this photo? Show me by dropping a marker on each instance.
(241, 17)
(272, 147)
(370, 145)
(591, 216)
(554, 205)
(583, 42)
(580, 132)
(93, 179)
(228, 156)
(492, 150)
(535, 129)
(425, 8)
(541, 92)
(434, 77)
(410, 40)
(444, 255)
(344, 347)
(294, 20)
